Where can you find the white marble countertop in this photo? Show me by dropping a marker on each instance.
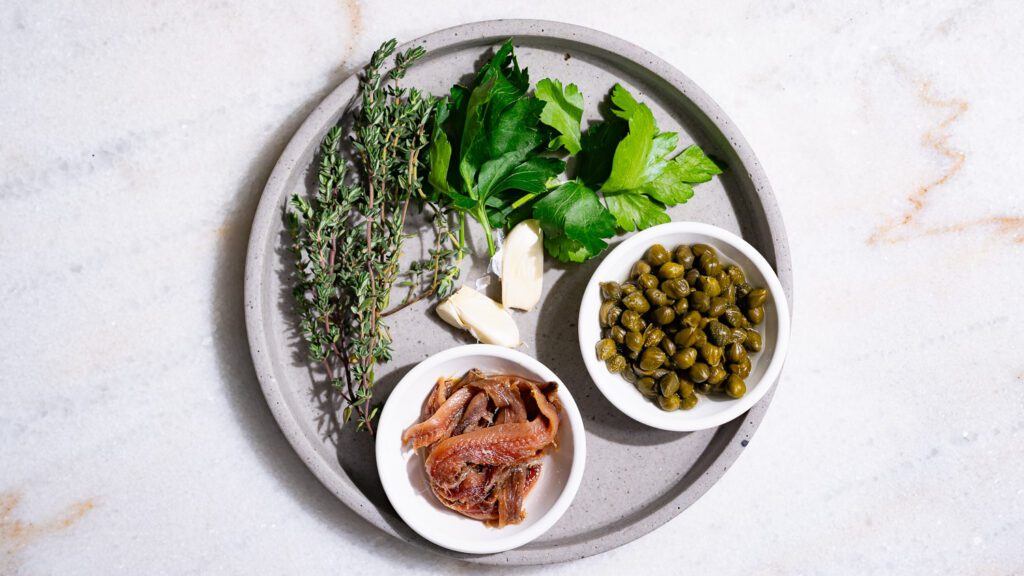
(135, 139)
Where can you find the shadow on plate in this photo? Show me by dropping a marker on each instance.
(558, 347)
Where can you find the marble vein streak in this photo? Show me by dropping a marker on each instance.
(17, 534)
(907, 226)
(355, 16)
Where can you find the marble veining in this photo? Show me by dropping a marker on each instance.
(908, 226)
(17, 534)
(937, 139)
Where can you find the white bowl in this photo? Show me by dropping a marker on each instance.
(405, 480)
(766, 365)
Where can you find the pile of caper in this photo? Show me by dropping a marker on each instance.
(683, 323)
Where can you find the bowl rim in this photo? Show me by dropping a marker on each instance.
(681, 421)
(570, 412)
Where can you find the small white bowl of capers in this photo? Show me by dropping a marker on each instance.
(684, 326)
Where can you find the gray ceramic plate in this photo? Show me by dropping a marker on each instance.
(637, 478)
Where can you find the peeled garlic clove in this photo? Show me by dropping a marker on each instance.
(522, 266)
(484, 318)
(449, 313)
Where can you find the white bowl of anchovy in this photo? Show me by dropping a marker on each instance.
(405, 479)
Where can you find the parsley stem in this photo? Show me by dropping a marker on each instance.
(480, 213)
(524, 200)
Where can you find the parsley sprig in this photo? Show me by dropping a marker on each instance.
(497, 153)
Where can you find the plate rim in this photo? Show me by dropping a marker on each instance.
(329, 109)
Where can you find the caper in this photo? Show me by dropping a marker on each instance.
(657, 255)
(605, 349)
(646, 386)
(691, 276)
(733, 316)
(669, 403)
(684, 255)
(688, 402)
(684, 358)
(709, 263)
(685, 337)
(699, 372)
(675, 288)
(614, 314)
(616, 363)
(634, 341)
(717, 307)
(700, 249)
(718, 333)
(656, 297)
(602, 313)
(743, 289)
(640, 372)
(632, 321)
(681, 306)
(609, 313)
(735, 274)
(753, 341)
(729, 293)
(699, 301)
(671, 270)
(757, 297)
(741, 368)
(647, 281)
(669, 384)
(723, 280)
(700, 339)
(717, 375)
(704, 321)
(628, 288)
(703, 387)
(668, 346)
(692, 318)
(639, 268)
(617, 334)
(651, 358)
(664, 315)
(637, 303)
(711, 354)
(653, 336)
(735, 387)
(657, 373)
(735, 352)
(629, 376)
(709, 285)
(755, 315)
(685, 387)
(611, 291)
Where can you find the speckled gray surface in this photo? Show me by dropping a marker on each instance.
(637, 478)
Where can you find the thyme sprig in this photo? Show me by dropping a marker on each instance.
(347, 241)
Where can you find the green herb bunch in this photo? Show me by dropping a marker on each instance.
(347, 241)
(496, 154)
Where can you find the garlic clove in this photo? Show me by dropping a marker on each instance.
(522, 266)
(449, 313)
(484, 318)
